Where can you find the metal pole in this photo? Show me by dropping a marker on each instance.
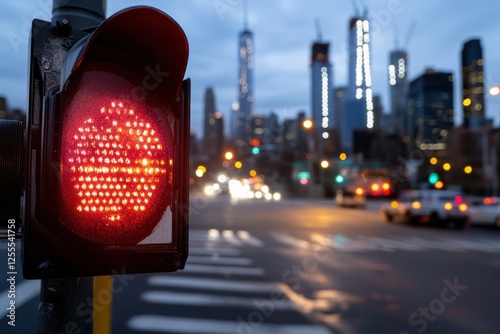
(82, 14)
(66, 305)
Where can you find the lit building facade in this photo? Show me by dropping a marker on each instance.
(322, 102)
(357, 112)
(398, 83)
(473, 83)
(430, 111)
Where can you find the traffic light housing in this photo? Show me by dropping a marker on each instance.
(107, 147)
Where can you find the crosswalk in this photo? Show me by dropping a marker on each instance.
(363, 243)
(221, 291)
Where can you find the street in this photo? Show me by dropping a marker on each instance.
(307, 266)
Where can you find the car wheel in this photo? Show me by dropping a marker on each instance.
(459, 224)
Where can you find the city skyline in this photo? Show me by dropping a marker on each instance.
(284, 33)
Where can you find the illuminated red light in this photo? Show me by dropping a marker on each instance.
(116, 173)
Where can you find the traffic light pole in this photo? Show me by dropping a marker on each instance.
(66, 305)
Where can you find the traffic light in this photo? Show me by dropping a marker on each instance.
(107, 147)
(339, 178)
(303, 177)
(433, 178)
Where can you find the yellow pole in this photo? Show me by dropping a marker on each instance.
(103, 300)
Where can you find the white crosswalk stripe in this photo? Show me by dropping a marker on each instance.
(158, 323)
(363, 243)
(218, 276)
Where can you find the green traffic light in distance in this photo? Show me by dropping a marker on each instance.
(433, 178)
(255, 150)
(339, 179)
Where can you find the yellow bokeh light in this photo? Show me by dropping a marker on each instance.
(446, 166)
(434, 161)
(343, 156)
(202, 168)
(468, 169)
(199, 173)
(325, 164)
(467, 102)
(439, 185)
(307, 124)
(253, 173)
(229, 155)
(238, 164)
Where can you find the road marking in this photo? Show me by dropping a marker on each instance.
(214, 284)
(25, 291)
(249, 239)
(289, 240)
(235, 238)
(164, 324)
(199, 268)
(198, 299)
(214, 250)
(239, 261)
(371, 243)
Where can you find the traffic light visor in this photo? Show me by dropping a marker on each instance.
(155, 40)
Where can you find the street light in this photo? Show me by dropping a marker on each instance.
(495, 90)
(229, 155)
(325, 164)
(307, 124)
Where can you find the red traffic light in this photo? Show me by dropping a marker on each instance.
(112, 178)
(116, 172)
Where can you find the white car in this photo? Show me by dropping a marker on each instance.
(352, 196)
(436, 207)
(485, 211)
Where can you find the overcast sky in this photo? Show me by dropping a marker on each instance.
(284, 31)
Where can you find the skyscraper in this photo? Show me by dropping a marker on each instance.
(245, 84)
(473, 83)
(358, 108)
(213, 128)
(321, 95)
(430, 110)
(398, 81)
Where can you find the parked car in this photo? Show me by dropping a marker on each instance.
(436, 207)
(351, 196)
(485, 211)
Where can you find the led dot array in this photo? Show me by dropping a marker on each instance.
(117, 161)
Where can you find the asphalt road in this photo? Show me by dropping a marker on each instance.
(306, 266)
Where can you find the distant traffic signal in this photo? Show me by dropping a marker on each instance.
(339, 178)
(107, 147)
(433, 178)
